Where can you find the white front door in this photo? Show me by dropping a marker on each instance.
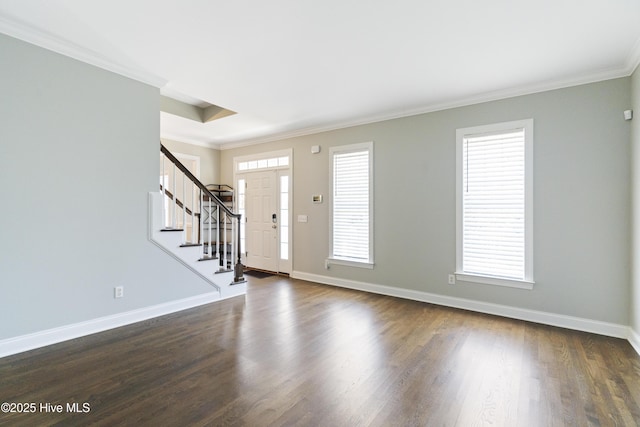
(262, 220)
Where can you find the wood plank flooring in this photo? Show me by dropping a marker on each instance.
(298, 353)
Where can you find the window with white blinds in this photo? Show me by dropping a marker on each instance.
(494, 204)
(351, 204)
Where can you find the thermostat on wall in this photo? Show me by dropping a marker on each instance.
(317, 198)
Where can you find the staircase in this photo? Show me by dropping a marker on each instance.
(225, 194)
(193, 225)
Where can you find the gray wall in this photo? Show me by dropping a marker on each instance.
(635, 252)
(74, 139)
(581, 192)
(78, 156)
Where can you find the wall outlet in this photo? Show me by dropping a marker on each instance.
(452, 279)
(118, 292)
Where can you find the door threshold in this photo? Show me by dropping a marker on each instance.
(258, 272)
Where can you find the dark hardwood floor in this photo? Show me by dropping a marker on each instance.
(297, 353)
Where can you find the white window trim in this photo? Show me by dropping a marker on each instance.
(263, 156)
(527, 282)
(286, 265)
(331, 260)
(357, 264)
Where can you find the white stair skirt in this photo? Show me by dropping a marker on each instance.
(170, 242)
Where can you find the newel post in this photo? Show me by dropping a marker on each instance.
(238, 271)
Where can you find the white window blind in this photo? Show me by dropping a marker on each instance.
(494, 194)
(351, 203)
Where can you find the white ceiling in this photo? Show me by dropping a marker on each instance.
(291, 67)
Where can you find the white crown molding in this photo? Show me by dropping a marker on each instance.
(560, 320)
(30, 34)
(634, 58)
(64, 333)
(462, 102)
(43, 39)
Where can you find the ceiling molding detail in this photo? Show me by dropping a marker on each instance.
(463, 102)
(45, 40)
(191, 141)
(193, 112)
(278, 102)
(182, 109)
(213, 112)
(634, 58)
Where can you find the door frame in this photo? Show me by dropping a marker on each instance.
(243, 165)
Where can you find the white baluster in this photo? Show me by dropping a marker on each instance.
(209, 247)
(163, 199)
(220, 257)
(184, 208)
(201, 202)
(224, 232)
(193, 214)
(175, 201)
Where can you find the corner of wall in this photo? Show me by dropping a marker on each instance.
(634, 289)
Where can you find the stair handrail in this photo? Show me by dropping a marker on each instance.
(169, 194)
(197, 182)
(238, 268)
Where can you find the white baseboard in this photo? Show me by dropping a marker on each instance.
(56, 335)
(634, 340)
(569, 322)
(28, 342)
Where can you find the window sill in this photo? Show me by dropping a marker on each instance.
(349, 263)
(497, 281)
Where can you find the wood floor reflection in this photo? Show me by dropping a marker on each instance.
(298, 353)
